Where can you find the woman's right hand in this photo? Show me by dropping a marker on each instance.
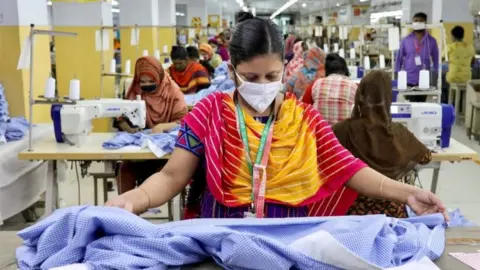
(120, 202)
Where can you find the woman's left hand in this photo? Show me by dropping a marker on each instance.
(160, 128)
(424, 202)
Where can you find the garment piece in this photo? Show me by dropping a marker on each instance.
(470, 259)
(457, 219)
(312, 70)
(17, 128)
(296, 129)
(296, 63)
(166, 103)
(111, 238)
(193, 79)
(407, 53)
(460, 55)
(371, 136)
(334, 97)
(163, 141)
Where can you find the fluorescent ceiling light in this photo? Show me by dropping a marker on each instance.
(254, 11)
(180, 14)
(245, 8)
(283, 8)
(114, 3)
(49, 3)
(115, 10)
(395, 13)
(363, 0)
(338, 4)
(304, 5)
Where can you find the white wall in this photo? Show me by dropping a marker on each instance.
(456, 11)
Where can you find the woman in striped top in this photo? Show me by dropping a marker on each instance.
(264, 154)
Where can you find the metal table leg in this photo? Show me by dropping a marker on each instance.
(51, 194)
(436, 172)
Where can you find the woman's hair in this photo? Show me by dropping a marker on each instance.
(458, 32)
(335, 64)
(178, 53)
(193, 52)
(254, 36)
(297, 40)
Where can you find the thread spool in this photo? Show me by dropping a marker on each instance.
(49, 88)
(325, 48)
(156, 54)
(366, 62)
(165, 49)
(381, 61)
(402, 80)
(113, 66)
(352, 53)
(341, 52)
(145, 52)
(424, 81)
(128, 65)
(335, 47)
(74, 91)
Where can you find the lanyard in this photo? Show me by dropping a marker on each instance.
(418, 45)
(258, 181)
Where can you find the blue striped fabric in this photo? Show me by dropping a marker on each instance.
(111, 238)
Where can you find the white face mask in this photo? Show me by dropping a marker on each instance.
(259, 96)
(418, 26)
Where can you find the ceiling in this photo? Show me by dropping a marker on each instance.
(270, 6)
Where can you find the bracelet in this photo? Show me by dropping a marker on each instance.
(381, 187)
(148, 197)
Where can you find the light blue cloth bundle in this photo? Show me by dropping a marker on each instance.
(4, 114)
(112, 238)
(164, 141)
(220, 83)
(457, 219)
(17, 127)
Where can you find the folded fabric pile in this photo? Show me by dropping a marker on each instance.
(220, 83)
(11, 129)
(159, 143)
(112, 238)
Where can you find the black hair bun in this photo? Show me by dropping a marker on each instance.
(243, 16)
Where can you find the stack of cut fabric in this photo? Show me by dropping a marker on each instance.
(11, 129)
(220, 83)
(159, 143)
(112, 238)
(4, 116)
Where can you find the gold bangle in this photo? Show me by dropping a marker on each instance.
(148, 197)
(381, 187)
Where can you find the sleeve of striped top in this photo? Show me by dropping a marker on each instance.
(336, 164)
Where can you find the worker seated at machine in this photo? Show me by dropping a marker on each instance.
(166, 107)
(191, 76)
(194, 56)
(389, 148)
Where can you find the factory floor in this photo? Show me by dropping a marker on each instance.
(458, 187)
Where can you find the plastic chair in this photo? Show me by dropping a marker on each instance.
(456, 91)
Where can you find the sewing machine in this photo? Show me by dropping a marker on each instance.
(73, 122)
(431, 123)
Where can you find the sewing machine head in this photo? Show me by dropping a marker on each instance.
(72, 123)
(431, 123)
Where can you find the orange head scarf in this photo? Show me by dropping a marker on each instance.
(206, 48)
(166, 103)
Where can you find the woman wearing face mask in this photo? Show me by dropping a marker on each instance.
(207, 53)
(265, 154)
(297, 61)
(191, 76)
(166, 107)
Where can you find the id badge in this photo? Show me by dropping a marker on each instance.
(418, 60)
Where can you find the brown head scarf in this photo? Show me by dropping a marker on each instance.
(371, 135)
(165, 104)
